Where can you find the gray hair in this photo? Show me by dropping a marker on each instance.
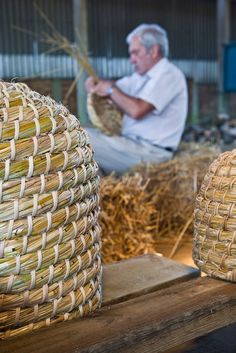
(151, 34)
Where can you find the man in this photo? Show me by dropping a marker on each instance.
(153, 100)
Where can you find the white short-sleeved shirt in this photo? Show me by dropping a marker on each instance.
(164, 86)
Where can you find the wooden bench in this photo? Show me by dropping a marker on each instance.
(151, 304)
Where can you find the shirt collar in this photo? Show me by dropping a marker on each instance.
(157, 68)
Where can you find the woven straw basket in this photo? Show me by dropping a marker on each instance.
(103, 115)
(50, 267)
(214, 246)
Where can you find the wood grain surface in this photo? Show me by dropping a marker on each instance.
(152, 322)
(140, 275)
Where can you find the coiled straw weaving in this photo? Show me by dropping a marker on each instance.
(104, 115)
(214, 246)
(50, 267)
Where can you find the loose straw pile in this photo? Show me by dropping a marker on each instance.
(175, 184)
(50, 267)
(152, 204)
(129, 218)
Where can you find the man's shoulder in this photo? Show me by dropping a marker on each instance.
(174, 69)
(166, 70)
(127, 78)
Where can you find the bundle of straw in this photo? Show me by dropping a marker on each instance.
(103, 114)
(214, 245)
(50, 267)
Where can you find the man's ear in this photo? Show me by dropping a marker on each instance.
(156, 51)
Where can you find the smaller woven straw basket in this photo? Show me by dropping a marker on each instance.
(50, 266)
(214, 245)
(104, 115)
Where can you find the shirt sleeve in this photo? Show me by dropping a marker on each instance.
(125, 84)
(162, 91)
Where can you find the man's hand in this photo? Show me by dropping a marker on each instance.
(89, 84)
(100, 88)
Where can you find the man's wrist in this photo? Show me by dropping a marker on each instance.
(110, 89)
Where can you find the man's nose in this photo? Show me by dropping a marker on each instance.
(132, 59)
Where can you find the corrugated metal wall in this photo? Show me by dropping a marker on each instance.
(23, 14)
(22, 50)
(191, 25)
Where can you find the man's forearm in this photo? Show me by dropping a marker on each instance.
(134, 107)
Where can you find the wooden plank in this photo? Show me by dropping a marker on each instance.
(153, 322)
(140, 275)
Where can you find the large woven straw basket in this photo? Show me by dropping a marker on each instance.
(104, 115)
(50, 267)
(214, 246)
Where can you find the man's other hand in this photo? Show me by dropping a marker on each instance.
(101, 88)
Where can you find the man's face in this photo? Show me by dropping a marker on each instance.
(143, 59)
